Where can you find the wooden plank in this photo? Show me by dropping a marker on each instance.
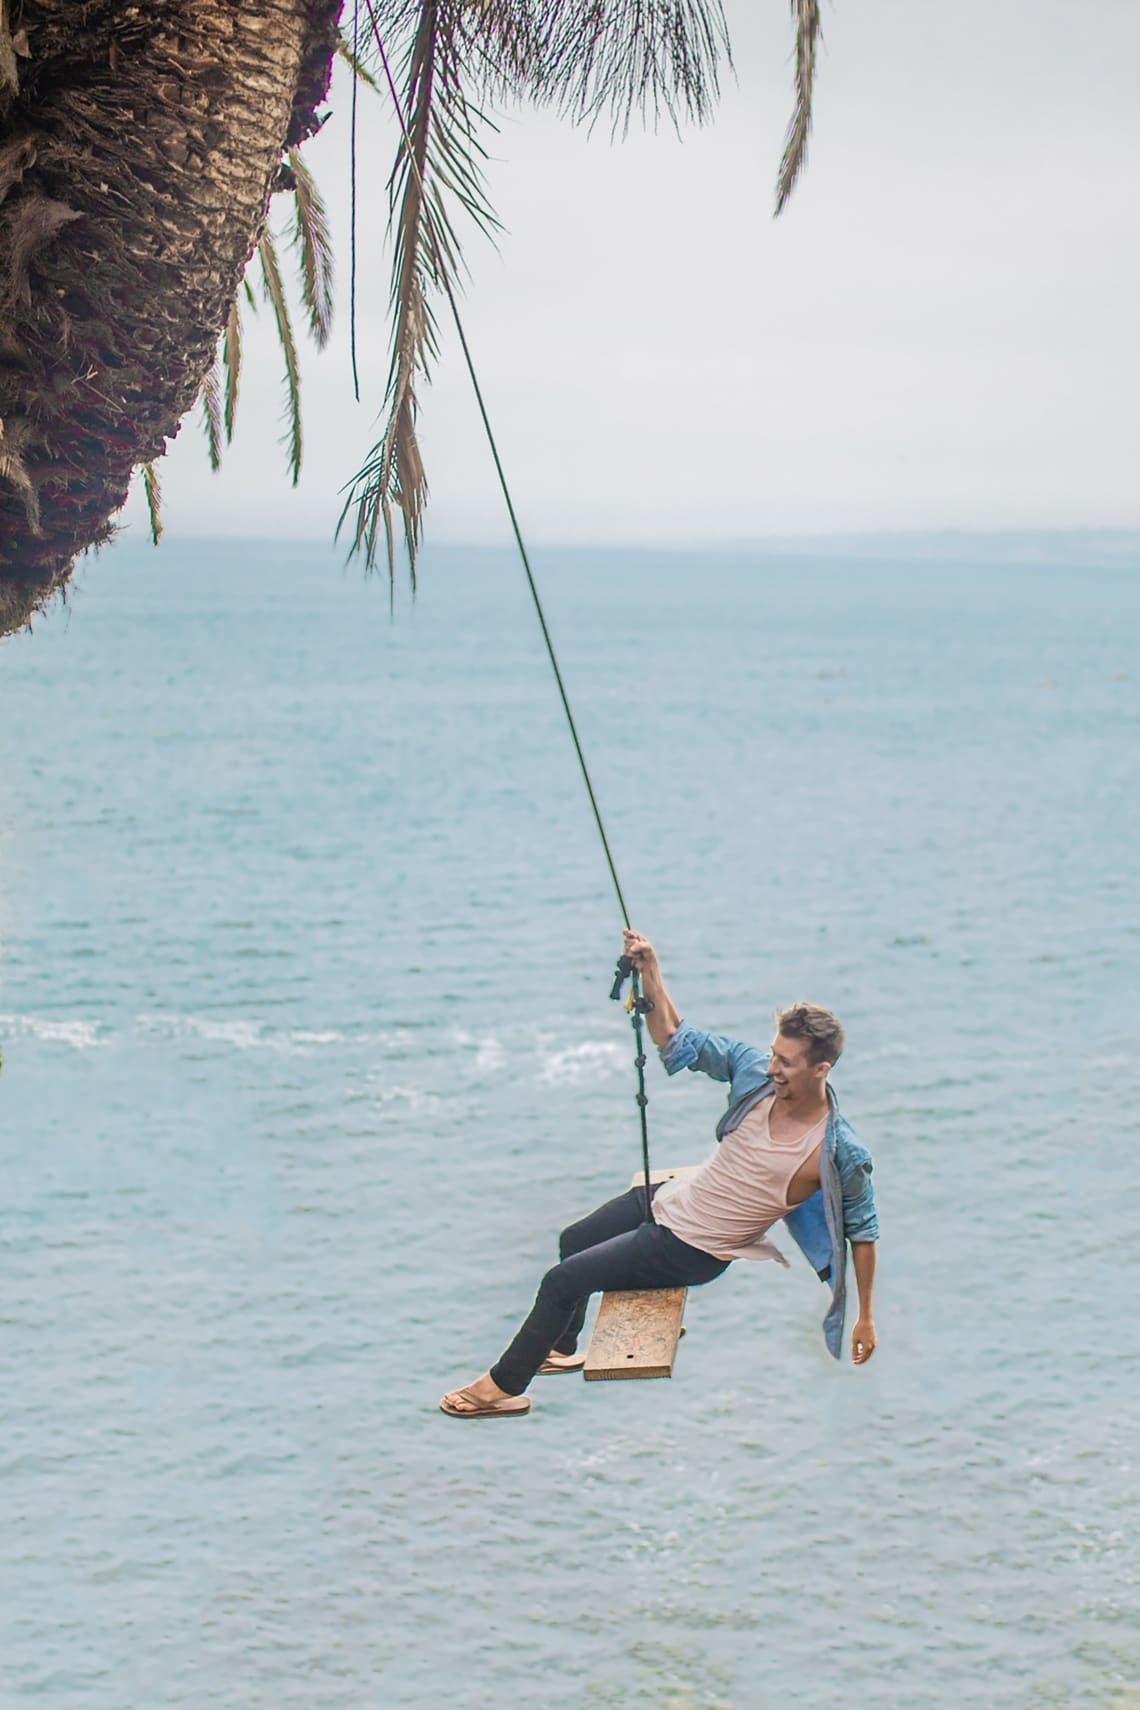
(636, 1333)
(637, 1330)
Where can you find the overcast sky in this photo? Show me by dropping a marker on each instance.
(941, 331)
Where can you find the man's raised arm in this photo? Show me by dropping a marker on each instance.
(685, 1047)
(663, 1019)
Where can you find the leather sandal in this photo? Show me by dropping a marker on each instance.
(555, 1362)
(510, 1406)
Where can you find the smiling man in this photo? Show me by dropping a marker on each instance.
(785, 1154)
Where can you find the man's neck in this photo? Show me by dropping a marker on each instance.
(804, 1109)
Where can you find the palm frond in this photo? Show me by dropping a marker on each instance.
(506, 47)
(623, 57)
(222, 385)
(312, 239)
(806, 15)
(275, 296)
(356, 65)
(439, 166)
(212, 415)
(231, 363)
(152, 487)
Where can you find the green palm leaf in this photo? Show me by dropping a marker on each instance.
(439, 165)
(312, 240)
(275, 295)
(212, 415)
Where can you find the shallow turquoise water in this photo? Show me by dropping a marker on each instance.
(305, 946)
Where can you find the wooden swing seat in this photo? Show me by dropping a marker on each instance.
(637, 1330)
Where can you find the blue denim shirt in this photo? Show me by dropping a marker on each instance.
(843, 1207)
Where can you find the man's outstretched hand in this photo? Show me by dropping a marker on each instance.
(863, 1341)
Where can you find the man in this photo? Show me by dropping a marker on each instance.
(785, 1153)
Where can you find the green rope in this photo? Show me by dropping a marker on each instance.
(441, 273)
(636, 1013)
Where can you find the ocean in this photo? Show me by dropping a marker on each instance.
(306, 941)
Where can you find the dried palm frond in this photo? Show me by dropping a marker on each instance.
(153, 490)
(275, 295)
(231, 363)
(439, 163)
(311, 238)
(806, 15)
(212, 414)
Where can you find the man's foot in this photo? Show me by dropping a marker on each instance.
(556, 1362)
(483, 1399)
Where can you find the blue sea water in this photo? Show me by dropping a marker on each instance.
(305, 947)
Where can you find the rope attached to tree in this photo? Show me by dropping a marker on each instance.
(637, 1004)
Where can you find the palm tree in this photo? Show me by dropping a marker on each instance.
(139, 146)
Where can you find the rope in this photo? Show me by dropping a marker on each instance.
(636, 1012)
(352, 207)
(441, 273)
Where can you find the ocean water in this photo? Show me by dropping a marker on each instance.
(305, 949)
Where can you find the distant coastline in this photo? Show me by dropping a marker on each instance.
(1014, 546)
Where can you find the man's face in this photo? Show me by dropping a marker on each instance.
(795, 1076)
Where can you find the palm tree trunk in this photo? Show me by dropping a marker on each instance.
(139, 144)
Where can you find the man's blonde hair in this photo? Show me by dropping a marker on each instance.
(820, 1031)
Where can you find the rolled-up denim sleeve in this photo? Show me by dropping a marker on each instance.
(707, 1054)
(860, 1214)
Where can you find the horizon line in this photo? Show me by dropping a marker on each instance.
(126, 533)
(1119, 541)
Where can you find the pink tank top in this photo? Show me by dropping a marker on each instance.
(729, 1205)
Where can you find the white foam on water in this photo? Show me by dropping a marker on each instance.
(490, 1057)
(80, 1035)
(583, 1062)
(241, 1033)
(489, 1052)
(414, 1098)
(393, 1038)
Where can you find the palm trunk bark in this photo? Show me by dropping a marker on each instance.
(139, 144)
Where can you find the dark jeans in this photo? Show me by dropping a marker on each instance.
(615, 1247)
